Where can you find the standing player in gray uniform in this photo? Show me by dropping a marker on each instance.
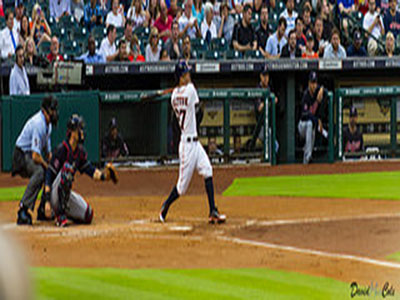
(69, 157)
(31, 154)
(185, 103)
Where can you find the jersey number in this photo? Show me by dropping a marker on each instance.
(182, 115)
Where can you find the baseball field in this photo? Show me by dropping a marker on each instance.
(293, 232)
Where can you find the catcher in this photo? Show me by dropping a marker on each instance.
(69, 157)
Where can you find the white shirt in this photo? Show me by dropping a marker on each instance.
(58, 7)
(116, 20)
(183, 101)
(150, 56)
(368, 20)
(17, 26)
(107, 49)
(183, 21)
(19, 83)
(137, 20)
(6, 44)
(290, 20)
(212, 28)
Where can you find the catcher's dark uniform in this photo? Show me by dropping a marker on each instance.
(60, 175)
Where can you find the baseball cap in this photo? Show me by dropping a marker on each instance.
(353, 112)
(357, 36)
(313, 76)
(309, 36)
(113, 123)
(19, 3)
(182, 68)
(265, 70)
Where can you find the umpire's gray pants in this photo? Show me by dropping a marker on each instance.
(36, 174)
(307, 132)
(77, 208)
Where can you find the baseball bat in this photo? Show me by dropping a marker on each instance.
(154, 95)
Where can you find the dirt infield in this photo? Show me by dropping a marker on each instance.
(338, 238)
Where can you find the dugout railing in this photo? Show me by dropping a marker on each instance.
(389, 95)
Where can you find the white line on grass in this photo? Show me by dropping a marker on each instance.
(312, 252)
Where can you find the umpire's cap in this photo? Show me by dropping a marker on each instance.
(49, 102)
(181, 68)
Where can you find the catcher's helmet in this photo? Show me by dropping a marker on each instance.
(76, 122)
(181, 68)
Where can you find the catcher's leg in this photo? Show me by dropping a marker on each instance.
(79, 210)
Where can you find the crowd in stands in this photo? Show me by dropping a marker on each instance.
(98, 31)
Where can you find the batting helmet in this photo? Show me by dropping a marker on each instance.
(181, 68)
(76, 122)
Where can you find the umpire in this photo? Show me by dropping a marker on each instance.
(31, 154)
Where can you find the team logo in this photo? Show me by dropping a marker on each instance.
(212, 114)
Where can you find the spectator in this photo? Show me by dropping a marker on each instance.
(164, 22)
(54, 51)
(104, 7)
(123, 54)
(8, 37)
(25, 31)
(107, 47)
(92, 15)
(39, 26)
(262, 31)
(373, 22)
(92, 56)
(172, 45)
(327, 22)
(391, 19)
(291, 49)
(113, 145)
(225, 23)
(187, 48)
(311, 115)
(116, 15)
(198, 11)
(352, 137)
(153, 49)
(307, 22)
(128, 33)
(389, 45)
(19, 83)
(290, 16)
(334, 50)
(153, 11)
(244, 37)
(212, 147)
(346, 7)
(135, 51)
(361, 6)
(77, 10)
(1, 9)
(31, 57)
(309, 52)
(320, 43)
(208, 28)
(137, 15)
(60, 8)
(300, 37)
(19, 12)
(235, 6)
(277, 41)
(173, 8)
(164, 55)
(356, 49)
(188, 23)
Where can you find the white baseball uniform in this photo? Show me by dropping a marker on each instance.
(191, 153)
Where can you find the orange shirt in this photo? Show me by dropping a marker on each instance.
(308, 55)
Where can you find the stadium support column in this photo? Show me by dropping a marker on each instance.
(393, 126)
(290, 117)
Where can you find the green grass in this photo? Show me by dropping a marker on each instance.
(379, 185)
(67, 283)
(12, 193)
(394, 256)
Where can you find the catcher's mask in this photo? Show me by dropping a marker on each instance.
(76, 122)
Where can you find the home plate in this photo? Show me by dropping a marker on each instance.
(181, 228)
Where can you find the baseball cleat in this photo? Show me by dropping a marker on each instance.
(24, 217)
(216, 217)
(62, 221)
(162, 219)
(162, 215)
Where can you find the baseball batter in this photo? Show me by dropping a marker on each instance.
(192, 155)
(69, 157)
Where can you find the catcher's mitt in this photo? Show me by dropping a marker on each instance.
(111, 173)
